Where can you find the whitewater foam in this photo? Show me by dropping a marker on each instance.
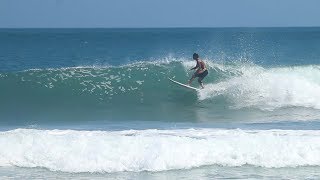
(157, 150)
(269, 89)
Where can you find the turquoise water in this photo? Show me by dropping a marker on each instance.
(96, 103)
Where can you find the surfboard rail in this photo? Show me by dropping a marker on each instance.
(183, 85)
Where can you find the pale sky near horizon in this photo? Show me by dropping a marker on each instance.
(158, 13)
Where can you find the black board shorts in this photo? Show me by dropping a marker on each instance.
(203, 74)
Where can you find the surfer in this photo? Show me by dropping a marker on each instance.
(201, 71)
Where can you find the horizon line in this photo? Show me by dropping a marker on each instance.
(170, 27)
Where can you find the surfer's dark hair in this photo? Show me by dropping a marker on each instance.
(195, 55)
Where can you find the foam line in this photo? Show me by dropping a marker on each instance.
(157, 150)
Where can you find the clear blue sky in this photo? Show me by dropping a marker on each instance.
(159, 13)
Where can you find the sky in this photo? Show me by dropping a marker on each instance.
(158, 13)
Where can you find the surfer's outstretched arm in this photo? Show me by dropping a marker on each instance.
(195, 67)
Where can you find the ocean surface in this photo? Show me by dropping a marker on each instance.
(97, 104)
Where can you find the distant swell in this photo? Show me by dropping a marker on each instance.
(157, 150)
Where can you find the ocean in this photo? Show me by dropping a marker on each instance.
(97, 104)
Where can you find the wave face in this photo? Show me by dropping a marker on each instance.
(157, 150)
(142, 90)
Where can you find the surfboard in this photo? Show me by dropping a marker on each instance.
(184, 85)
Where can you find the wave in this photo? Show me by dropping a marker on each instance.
(157, 150)
(143, 87)
(269, 89)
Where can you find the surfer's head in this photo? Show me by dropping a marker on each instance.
(195, 56)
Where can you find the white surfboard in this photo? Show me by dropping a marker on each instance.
(183, 85)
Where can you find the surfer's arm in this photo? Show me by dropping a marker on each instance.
(195, 67)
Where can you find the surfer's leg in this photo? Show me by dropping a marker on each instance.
(201, 77)
(200, 82)
(190, 81)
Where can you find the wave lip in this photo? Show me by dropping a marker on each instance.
(157, 150)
